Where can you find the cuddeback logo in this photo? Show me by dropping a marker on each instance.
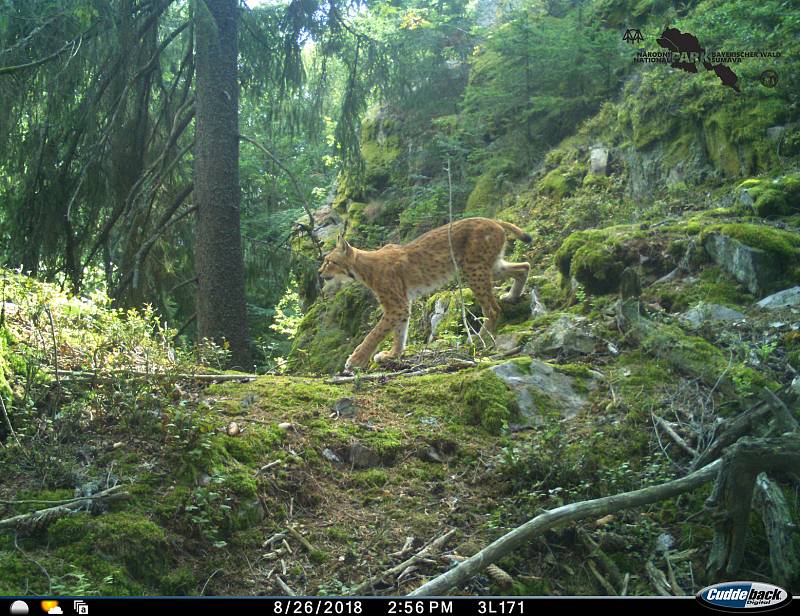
(743, 596)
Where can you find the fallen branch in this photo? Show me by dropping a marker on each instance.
(561, 515)
(140, 374)
(377, 376)
(430, 547)
(36, 520)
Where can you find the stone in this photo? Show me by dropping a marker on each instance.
(570, 334)
(362, 457)
(345, 407)
(542, 388)
(598, 160)
(756, 269)
(710, 312)
(507, 342)
(330, 456)
(782, 299)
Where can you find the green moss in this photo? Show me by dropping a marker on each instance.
(101, 544)
(783, 244)
(597, 268)
(771, 202)
(489, 402)
(593, 257)
(380, 148)
(559, 182)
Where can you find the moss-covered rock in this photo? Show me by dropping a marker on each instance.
(489, 402)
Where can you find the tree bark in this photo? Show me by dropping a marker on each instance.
(221, 312)
(733, 494)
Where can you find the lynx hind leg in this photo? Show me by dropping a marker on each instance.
(480, 281)
(517, 271)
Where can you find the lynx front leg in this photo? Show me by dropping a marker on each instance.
(360, 357)
(399, 345)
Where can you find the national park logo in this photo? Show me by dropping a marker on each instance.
(683, 51)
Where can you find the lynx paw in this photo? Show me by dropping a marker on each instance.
(354, 362)
(383, 357)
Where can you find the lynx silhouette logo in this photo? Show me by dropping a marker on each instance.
(744, 596)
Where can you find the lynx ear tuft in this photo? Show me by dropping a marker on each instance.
(342, 244)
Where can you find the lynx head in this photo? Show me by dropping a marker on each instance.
(337, 264)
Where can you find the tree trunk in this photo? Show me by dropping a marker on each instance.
(218, 249)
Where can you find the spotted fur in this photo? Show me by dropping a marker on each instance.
(399, 274)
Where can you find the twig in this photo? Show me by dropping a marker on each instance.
(8, 421)
(430, 547)
(674, 436)
(599, 577)
(118, 374)
(303, 541)
(375, 376)
(35, 562)
(43, 517)
(55, 357)
(657, 579)
(453, 253)
(203, 591)
(285, 587)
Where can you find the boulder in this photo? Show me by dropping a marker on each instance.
(507, 342)
(781, 299)
(710, 312)
(542, 388)
(569, 335)
(756, 269)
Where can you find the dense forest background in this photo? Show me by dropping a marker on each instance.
(171, 173)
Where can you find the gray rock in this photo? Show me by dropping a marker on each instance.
(781, 299)
(710, 312)
(345, 407)
(362, 457)
(330, 456)
(598, 160)
(795, 386)
(504, 343)
(542, 388)
(569, 334)
(756, 269)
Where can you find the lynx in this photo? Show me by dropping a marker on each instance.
(399, 274)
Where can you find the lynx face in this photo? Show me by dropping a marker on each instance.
(336, 269)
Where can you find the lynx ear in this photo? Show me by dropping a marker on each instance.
(342, 244)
